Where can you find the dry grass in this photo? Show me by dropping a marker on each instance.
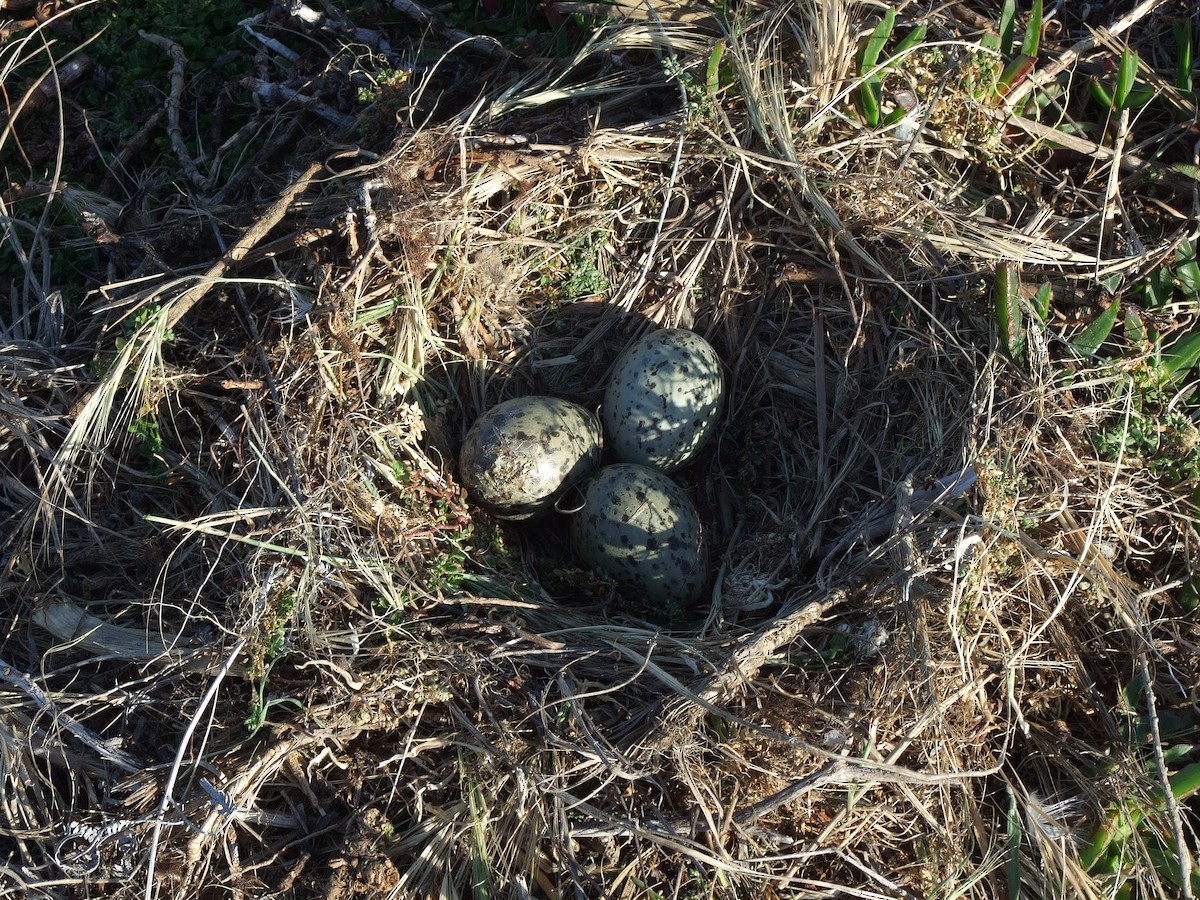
(262, 645)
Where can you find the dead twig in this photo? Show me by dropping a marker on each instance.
(427, 19)
(268, 220)
(125, 761)
(173, 103)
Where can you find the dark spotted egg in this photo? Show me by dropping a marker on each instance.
(664, 399)
(640, 528)
(522, 455)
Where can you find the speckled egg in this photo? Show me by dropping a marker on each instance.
(639, 527)
(664, 399)
(522, 455)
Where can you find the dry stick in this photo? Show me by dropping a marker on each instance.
(744, 663)
(242, 248)
(1129, 163)
(174, 101)
(827, 773)
(427, 19)
(682, 714)
(23, 682)
(1182, 850)
(209, 696)
(1070, 56)
(275, 93)
(131, 149)
(1112, 196)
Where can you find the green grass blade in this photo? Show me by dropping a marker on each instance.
(870, 96)
(1033, 31)
(1016, 71)
(875, 43)
(1125, 78)
(1012, 850)
(911, 40)
(1008, 308)
(1008, 22)
(1097, 333)
(1184, 55)
(1041, 301)
(1187, 270)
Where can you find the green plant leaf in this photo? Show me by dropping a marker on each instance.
(1041, 301)
(1189, 596)
(911, 40)
(1016, 71)
(1180, 357)
(1033, 30)
(1169, 867)
(1138, 98)
(1135, 329)
(1187, 170)
(1184, 55)
(1008, 309)
(1157, 287)
(989, 41)
(1186, 781)
(869, 97)
(875, 43)
(1101, 93)
(712, 73)
(1120, 823)
(1090, 339)
(1126, 74)
(1187, 270)
(1103, 852)
(1008, 21)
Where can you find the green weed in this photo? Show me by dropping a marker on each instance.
(703, 94)
(1124, 91)
(264, 655)
(873, 65)
(1001, 64)
(1139, 823)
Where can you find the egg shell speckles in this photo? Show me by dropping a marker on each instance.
(664, 399)
(639, 526)
(522, 455)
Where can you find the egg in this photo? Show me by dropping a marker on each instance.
(664, 399)
(522, 455)
(640, 528)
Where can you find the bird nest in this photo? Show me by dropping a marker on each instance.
(260, 641)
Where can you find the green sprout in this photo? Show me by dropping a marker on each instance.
(1123, 93)
(868, 98)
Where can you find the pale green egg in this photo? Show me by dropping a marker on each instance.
(664, 399)
(522, 455)
(640, 528)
